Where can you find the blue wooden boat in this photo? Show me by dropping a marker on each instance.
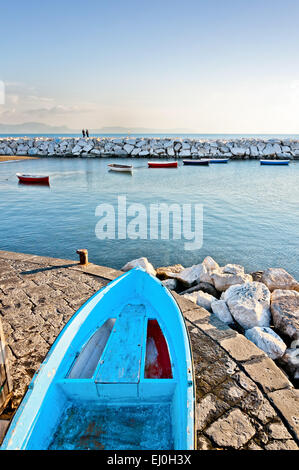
(274, 162)
(119, 376)
(218, 160)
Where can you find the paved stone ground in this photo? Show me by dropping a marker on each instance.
(243, 400)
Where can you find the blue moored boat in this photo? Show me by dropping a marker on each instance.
(274, 162)
(119, 376)
(218, 160)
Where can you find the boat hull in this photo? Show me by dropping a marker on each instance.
(162, 164)
(120, 168)
(31, 179)
(134, 391)
(196, 162)
(274, 162)
(218, 160)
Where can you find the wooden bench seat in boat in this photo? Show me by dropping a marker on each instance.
(121, 360)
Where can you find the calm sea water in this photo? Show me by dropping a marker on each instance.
(251, 212)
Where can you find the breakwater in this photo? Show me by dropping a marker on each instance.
(242, 148)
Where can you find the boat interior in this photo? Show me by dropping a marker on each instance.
(136, 353)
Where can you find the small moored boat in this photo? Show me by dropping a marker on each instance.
(162, 164)
(32, 179)
(196, 162)
(274, 162)
(121, 168)
(218, 160)
(118, 377)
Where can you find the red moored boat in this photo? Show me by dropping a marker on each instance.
(162, 164)
(33, 179)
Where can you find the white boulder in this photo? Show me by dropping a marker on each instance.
(254, 151)
(249, 304)
(88, 147)
(185, 153)
(32, 151)
(210, 266)
(128, 148)
(221, 310)
(285, 312)
(190, 275)
(141, 263)
(267, 340)
(279, 278)
(238, 151)
(204, 300)
(171, 284)
(269, 150)
(290, 359)
(229, 275)
(191, 296)
(186, 146)
(199, 272)
(76, 150)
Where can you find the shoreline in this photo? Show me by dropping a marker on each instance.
(10, 158)
(159, 147)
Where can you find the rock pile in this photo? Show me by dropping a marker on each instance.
(264, 306)
(243, 148)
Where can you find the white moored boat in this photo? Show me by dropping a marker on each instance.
(121, 168)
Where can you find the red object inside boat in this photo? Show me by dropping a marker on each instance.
(157, 360)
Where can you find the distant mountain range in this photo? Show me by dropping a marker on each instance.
(32, 128)
(40, 128)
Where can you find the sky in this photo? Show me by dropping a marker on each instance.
(207, 66)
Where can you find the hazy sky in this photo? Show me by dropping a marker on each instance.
(203, 65)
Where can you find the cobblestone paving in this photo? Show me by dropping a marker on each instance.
(232, 412)
(243, 401)
(36, 301)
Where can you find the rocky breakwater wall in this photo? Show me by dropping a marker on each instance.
(264, 305)
(242, 148)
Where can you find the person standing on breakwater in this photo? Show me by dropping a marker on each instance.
(83, 133)
(87, 133)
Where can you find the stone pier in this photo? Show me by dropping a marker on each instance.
(243, 400)
(157, 147)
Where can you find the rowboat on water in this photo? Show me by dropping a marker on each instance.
(121, 168)
(196, 162)
(162, 164)
(274, 162)
(32, 179)
(119, 376)
(218, 160)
